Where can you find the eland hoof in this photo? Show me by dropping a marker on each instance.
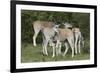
(53, 56)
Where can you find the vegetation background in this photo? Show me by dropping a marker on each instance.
(33, 54)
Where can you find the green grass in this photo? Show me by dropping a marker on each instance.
(29, 54)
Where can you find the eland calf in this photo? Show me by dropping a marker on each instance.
(65, 35)
(48, 35)
(77, 37)
(78, 40)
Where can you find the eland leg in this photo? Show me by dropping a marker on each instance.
(53, 46)
(45, 47)
(66, 50)
(71, 42)
(79, 47)
(76, 41)
(58, 49)
(36, 31)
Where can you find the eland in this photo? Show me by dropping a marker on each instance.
(65, 35)
(48, 36)
(78, 38)
(40, 25)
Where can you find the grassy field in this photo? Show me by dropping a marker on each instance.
(29, 54)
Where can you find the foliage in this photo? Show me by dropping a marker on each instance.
(80, 20)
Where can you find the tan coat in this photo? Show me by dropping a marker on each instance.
(42, 24)
(64, 34)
